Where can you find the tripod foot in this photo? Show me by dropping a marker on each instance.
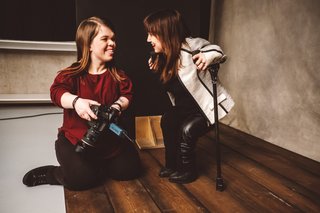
(220, 186)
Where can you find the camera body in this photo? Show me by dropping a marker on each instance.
(105, 117)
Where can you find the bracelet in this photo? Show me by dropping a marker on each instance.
(115, 103)
(74, 101)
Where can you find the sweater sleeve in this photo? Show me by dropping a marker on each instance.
(126, 87)
(61, 85)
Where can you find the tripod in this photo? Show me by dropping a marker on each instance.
(213, 69)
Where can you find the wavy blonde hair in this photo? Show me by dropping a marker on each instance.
(86, 32)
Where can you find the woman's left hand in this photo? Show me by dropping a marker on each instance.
(200, 61)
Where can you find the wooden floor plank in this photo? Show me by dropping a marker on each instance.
(295, 159)
(204, 190)
(279, 187)
(272, 159)
(129, 196)
(88, 201)
(250, 193)
(168, 197)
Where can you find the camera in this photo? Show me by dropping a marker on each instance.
(106, 118)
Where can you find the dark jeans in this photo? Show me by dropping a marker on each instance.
(79, 171)
(180, 133)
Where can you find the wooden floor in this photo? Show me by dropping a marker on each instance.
(259, 176)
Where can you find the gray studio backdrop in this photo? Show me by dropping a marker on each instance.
(273, 69)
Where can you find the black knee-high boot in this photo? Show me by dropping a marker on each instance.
(191, 129)
(186, 171)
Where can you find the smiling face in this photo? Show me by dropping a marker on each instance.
(155, 43)
(103, 46)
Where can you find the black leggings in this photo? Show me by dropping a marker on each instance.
(78, 171)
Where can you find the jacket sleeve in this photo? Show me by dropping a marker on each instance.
(212, 52)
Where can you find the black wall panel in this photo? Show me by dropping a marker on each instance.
(38, 20)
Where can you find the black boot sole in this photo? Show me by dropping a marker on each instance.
(183, 180)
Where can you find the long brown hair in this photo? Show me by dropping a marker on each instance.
(86, 32)
(169, 27)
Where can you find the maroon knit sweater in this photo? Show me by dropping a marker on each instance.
(101, 88)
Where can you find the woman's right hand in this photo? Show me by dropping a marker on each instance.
(82, 107)
(151, 64)
(200, 61)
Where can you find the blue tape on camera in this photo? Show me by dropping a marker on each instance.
(116, 129)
